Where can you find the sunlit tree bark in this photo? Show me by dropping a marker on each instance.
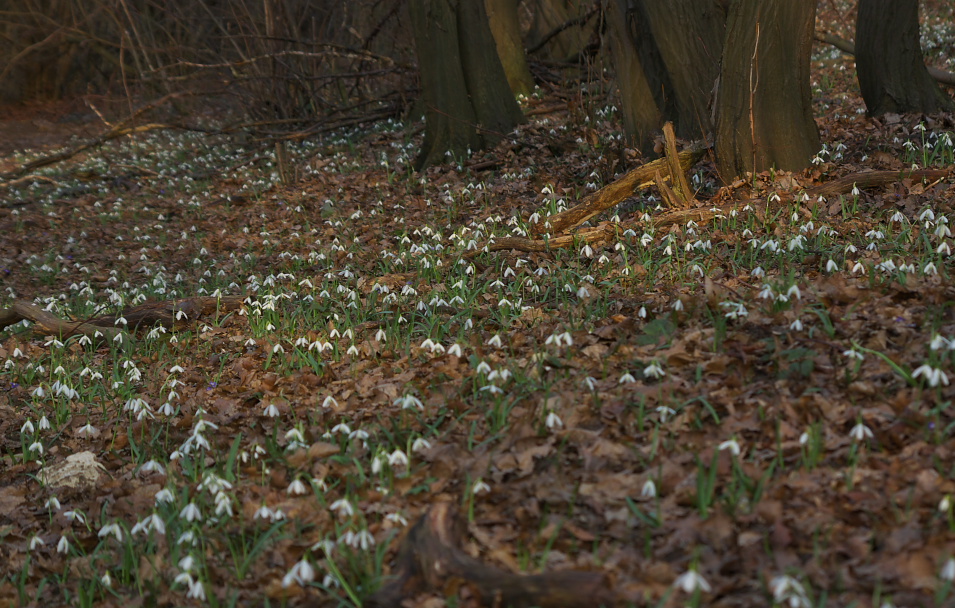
(506, 28)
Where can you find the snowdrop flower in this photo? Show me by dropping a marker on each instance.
(64, 545)
(191, 513)
(853, 354)
(408, 402)
(223, 505)
(665, 412)
(420, 444)
(649, 489)
(151, 466)
(654, 371)
(363, 540)
(302, 573)
(343, 507)
(626, 378)
(553, 421)
(271, 411)
(788, 590)
(263, 512)
(480, 487)
(397, 518)
(297, 488)
(860, 432)
(691, 581)
(796, 325)
(732, 445)
(36, 541)
(397, 459)
(495, 341)
(948, 570)
(196, 591)
(933, 375)
(945, 504)
(75, 516)
(151, 522)
(111, 529)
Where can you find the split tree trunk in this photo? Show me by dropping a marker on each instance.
(891, 70)
(468, 103)
(764, 112)
(667, 59)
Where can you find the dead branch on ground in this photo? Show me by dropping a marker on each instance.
(430, 559)
(842, 185)
(168, 314)
(613, 193)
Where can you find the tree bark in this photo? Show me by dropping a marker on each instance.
(506, 28)
(468, 103)
(891, 70)
(764, 112)
(553, 15)
(675, 46)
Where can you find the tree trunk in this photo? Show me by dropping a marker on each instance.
(667, 57)
(506, 28)
(551, 15)
(764, 112)
(468, 103)
(892, 74)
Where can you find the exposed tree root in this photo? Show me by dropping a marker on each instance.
(429, 559)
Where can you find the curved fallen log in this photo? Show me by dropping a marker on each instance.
(169, 314)
(430, 559)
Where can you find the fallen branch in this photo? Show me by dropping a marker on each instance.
(429, 558)
(593, 236)
(168, 314)
(610, 195)
(842, 185)
(847, 46)
(50, 324)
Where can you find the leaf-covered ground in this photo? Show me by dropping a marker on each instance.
(762, 399)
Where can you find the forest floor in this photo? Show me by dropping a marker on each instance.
(751, 410)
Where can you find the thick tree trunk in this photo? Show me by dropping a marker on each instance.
(667, 57)
(468, 103)
(551, 15)
(764, 112)
(889, 63)
(506, 28)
